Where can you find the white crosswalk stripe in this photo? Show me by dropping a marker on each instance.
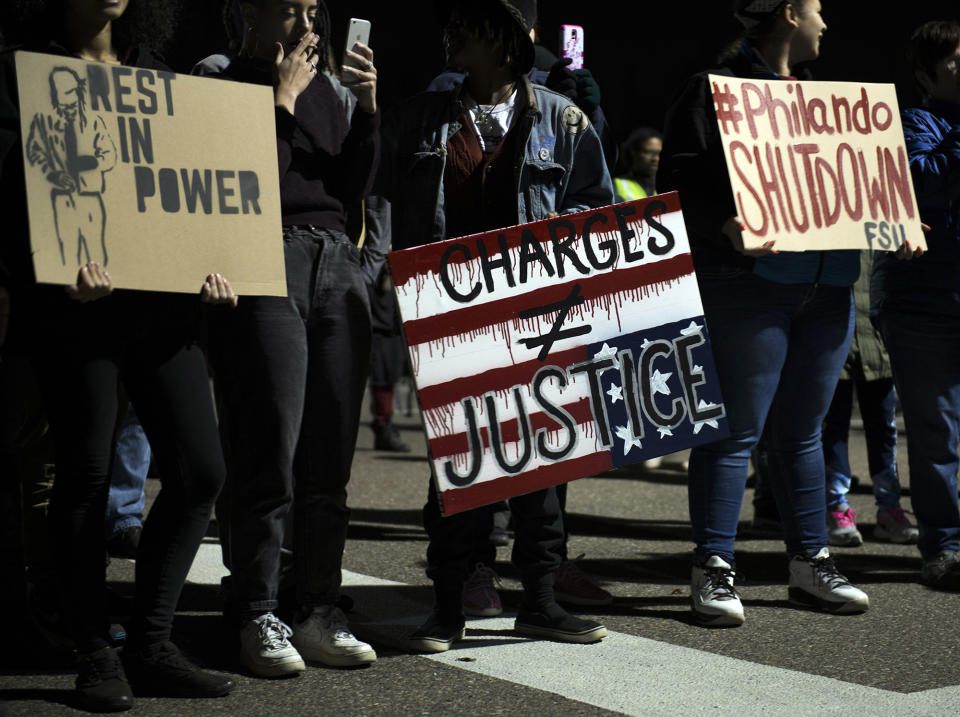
(634, 675)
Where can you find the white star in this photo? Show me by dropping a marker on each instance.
(658, 382)
(628, 440)
(664, 432)
(696, 369)
(646, 342)
(712, 422)
(615, 393)
(605, 352)
(693, 328)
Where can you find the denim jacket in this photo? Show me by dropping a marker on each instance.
(559, 167)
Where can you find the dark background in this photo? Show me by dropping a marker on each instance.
(640, 52)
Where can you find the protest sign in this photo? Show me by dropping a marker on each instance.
(817, 165)
(161, 178)
(559, 349)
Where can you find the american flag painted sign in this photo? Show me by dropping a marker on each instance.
(555, 350)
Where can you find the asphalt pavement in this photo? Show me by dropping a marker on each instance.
(633, 530)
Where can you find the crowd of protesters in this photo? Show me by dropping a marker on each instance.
(272, 445)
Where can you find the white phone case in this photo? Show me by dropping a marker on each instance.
(571, 45)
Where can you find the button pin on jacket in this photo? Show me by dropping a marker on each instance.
(544, 154)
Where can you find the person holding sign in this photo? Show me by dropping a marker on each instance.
(502, 152)
(292, 370)
(917, 306)
(780, 325)
(82, 341)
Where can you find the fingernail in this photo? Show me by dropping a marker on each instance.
(743, 227)
(908, 245)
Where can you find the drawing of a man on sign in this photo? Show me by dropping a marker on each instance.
(74, 154)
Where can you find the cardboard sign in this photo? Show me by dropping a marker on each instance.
(161, 178)
(817, 165)
(559, 349)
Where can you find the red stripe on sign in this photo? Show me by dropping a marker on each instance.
(458, 500)
(496, 379)
(444, 446)
(480, 316)
(407, 263)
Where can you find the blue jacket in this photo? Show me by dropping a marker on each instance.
(560, 169)
(692, 163)
(930, 283)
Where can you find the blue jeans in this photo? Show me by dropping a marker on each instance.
(878, 401)
(291, 372)
(925, 353)
(131, 461)
(779, 350)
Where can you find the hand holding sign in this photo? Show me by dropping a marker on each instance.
(93, 282)
(217, 290)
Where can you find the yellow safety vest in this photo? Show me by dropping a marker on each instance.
(627, 189)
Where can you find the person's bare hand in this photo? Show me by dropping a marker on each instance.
(733, 230)
(906, 251)
(295, 71)
(361, 76)
(93, 282)
(217, 290)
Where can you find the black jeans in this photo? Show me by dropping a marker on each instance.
(457, 539)
(291, 374)
(147, 343)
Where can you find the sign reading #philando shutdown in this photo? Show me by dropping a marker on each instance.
(817, 165)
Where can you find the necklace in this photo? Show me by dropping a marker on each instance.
(483, 115)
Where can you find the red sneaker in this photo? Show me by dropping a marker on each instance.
(573, 587)
(480, 597)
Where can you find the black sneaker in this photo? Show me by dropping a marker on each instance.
(943, 572)
(386, 438)
(163, 671)
(558, 625)
(125, 543)
(436, 634)
(101, 683)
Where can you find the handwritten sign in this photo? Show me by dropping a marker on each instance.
(817, 165)
(161, 178)
(556, 350)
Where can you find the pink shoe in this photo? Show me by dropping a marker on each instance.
(480, 597)
(894, 526)
(572, 586)
(842, 528)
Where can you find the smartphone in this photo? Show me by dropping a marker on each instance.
(571, 45)
(359, 31)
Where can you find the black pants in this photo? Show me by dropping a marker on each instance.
(291, 374)
(458, 539)
(145, 342)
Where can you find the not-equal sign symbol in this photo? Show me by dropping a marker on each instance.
(556, 333)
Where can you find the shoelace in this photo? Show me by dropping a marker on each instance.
(846, 519)
(827, 573)
(573, 573)
(273, 632)
(483, 575)
(899, 516)
(95, 668)
(720, 584)
(336, 622)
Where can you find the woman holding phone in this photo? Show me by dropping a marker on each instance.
(292, 371)
(82, 341)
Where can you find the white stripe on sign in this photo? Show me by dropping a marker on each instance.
(499, 344)
(636, 675)
(432, 298)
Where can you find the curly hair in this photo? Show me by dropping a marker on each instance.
(146, 22)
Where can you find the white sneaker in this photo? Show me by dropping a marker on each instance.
(325, 637)
(816, 582)
(712, 597)
(265, 649)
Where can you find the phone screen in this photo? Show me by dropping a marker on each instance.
(571, 45)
